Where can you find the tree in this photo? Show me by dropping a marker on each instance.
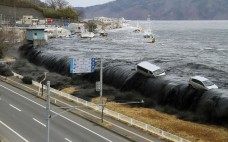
(7, 40)
(51, 3)
(57, 4)
(62, 3)
(91, 26)
(80, 14)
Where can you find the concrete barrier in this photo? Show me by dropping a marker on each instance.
(115, 115)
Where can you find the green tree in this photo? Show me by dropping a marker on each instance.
(65, 13)
(91, 26)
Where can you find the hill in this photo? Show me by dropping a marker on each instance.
(9, 9)
(9, 13)
(161, 9)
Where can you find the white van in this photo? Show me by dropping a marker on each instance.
(201, 83)
(149, 69)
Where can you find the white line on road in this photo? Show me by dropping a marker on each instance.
(14, 107)
(14, 131)
(68, 140)
(56, 113)
(39, 122)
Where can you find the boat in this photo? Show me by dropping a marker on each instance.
(86, 34)
(138, 29)
(148, 35)
(103, 33)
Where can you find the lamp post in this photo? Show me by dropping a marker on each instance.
(48, 110)
(48, 114)
(41, 82)
(101, 82)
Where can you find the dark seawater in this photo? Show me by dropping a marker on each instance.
(182, 48)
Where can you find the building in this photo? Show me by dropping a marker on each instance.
(105, 20)
(36, 36)
(27, 19)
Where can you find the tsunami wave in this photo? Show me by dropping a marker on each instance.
(162, 93)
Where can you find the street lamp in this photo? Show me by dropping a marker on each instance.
(41, 82)
(99, 87)
(48, 114)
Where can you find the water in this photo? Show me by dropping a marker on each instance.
(182, 48)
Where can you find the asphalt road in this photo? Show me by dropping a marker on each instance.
(23, 118)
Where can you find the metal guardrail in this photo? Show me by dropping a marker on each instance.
(116, 115)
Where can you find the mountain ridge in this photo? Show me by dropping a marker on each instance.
(161, 9)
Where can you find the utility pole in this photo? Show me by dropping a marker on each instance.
(15, 16)
(101, 82)
(1, 20)
(48, 110)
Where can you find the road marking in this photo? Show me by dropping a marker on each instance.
(109, 122)
(57, 113)
(14, 107)
(117, 126)
(83, 127)
(81, 111)
(14, 131)
(39, 122)
(68, 140)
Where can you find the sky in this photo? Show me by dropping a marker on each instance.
(85, 3)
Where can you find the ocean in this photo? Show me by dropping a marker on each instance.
(182, 48)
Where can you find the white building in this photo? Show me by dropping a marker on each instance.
(105, 20)
(57, 32)
(112, 23)
(27, 19)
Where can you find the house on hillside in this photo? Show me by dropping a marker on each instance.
(111, 23)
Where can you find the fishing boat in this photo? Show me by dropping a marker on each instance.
(148, 35)
(138, 29)
(86, 34)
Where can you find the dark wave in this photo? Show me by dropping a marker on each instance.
(162, 93)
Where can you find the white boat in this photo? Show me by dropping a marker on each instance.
(138, 29)
(86, 34)
(148, 35)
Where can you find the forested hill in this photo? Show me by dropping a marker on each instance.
(162, 9)
(12, 10)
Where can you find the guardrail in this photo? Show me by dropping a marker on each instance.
(115, 115)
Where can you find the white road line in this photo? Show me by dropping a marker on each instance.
(68, 140)
(14, 107)
(39, 122)
(57, 113)
(14, 131)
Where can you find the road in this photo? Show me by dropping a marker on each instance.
(23, 116)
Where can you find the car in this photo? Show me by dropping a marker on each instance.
(148, 69)
(201, 83)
